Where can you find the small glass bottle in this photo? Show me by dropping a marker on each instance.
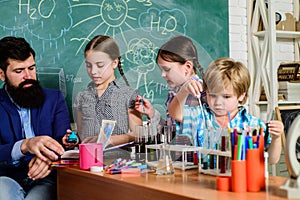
(165, 165)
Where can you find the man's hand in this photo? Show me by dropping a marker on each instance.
(44, 147)
(65, 142)
(38, 168)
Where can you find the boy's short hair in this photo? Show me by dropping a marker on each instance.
(225, 72)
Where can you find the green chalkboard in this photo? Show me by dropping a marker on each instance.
(58, 30)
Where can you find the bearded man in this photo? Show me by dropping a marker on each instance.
(33, 122)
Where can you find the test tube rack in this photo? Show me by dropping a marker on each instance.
(216, 170)
(183, 164)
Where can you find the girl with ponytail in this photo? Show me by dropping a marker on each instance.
(178, 61)
(105, 98)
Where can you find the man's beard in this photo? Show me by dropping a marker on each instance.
(28, 97)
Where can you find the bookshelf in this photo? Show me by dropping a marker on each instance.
(263, 60)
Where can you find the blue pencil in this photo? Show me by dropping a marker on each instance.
(244, 149)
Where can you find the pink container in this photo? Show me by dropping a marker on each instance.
(90, 154)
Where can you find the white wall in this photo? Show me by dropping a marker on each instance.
(238, 30)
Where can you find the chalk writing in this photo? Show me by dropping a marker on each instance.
(59, 30)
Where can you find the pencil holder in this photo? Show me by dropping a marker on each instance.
(90, 154)
(238, 176)
(262, 173)
(262, 161)
(223, 183)
(253, 170)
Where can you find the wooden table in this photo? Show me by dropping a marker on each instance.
(78, 184)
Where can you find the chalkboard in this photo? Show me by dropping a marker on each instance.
(59, 31)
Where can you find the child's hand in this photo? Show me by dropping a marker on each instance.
(276, 128)
(144, 106)
(67, 144)
(192, 87)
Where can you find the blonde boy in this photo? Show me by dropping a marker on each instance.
(226, 83)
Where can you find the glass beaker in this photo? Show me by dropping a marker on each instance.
(165, 165)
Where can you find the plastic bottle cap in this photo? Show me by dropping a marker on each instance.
(96, 169)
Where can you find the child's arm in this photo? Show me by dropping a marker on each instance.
(176, 106)
(276, 128)
(134, 120)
